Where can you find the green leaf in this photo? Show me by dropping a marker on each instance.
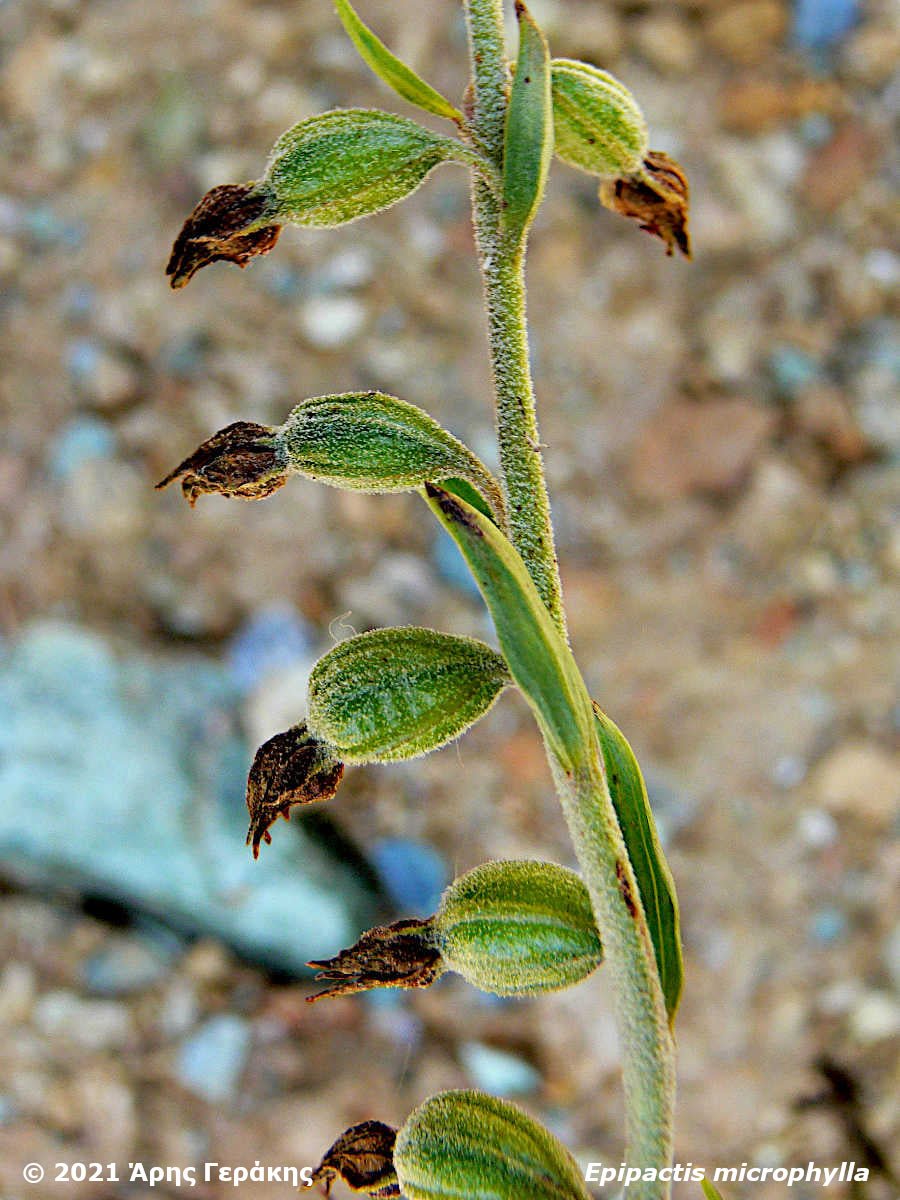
(350, 163)
(528, 144)
(398, 693)
(390, 69)
(538, 658)
(654, 879)
(466, 1144)
(368, 441)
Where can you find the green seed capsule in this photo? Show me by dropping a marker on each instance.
(511, 928)
(598, 126)
(376, 443)
(350, 163)
(518, 927)
(397, 693)
(466, 1144)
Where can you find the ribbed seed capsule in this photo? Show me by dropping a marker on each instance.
(512, 928)
(369, 441)
(397, 693)
(349, 163)
(598, 126)
(467, 1144)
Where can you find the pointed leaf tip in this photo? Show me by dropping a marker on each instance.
(390, 69)
(528, 139)
(656, 886)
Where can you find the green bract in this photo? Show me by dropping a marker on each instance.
(397, 693)
(628, 793)
(377, 443)
(350, 163)
(390, 68)
(467, 1146)
(539, 660)
(597, 123)
(517, 927)
(528, 141)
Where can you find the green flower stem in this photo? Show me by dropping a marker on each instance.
(648, 1051)
(647, 1048)
(487, 47)
(521, 460)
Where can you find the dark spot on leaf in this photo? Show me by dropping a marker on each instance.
(625, 889)
(452, 509)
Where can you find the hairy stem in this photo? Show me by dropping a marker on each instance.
(489, 73)
(521, 460)
(648, 1052)
(647, 1048)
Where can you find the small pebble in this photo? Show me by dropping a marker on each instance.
(817, 829)
(861, 782)
(497, 1071)
(331, 321)
(875, 1018)
(91, 1024)
(211, 1061)
(272, 638)
(17, 993)
(789, 770)
(828, 925)
(792, 369)
(821, 24)
(128, 965)
(414, 875)
(82, 440)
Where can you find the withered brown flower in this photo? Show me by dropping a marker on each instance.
(658, 196)
(363, 1157)
(402, 955)
(224, 225)
(240, 460)
(290, 768)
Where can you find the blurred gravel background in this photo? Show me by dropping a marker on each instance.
(722, 441)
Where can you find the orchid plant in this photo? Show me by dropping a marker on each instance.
(390, 694)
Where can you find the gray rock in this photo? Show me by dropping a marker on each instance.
(125, 778)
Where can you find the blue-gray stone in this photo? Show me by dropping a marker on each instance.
(272, 638)
(413, 874)
(821, 24)
(129, 965)
(211, 1060)
(82, 359)
(119, 776)
(497, 1071)
(792, 369)
(84, 439)
(828, 925)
